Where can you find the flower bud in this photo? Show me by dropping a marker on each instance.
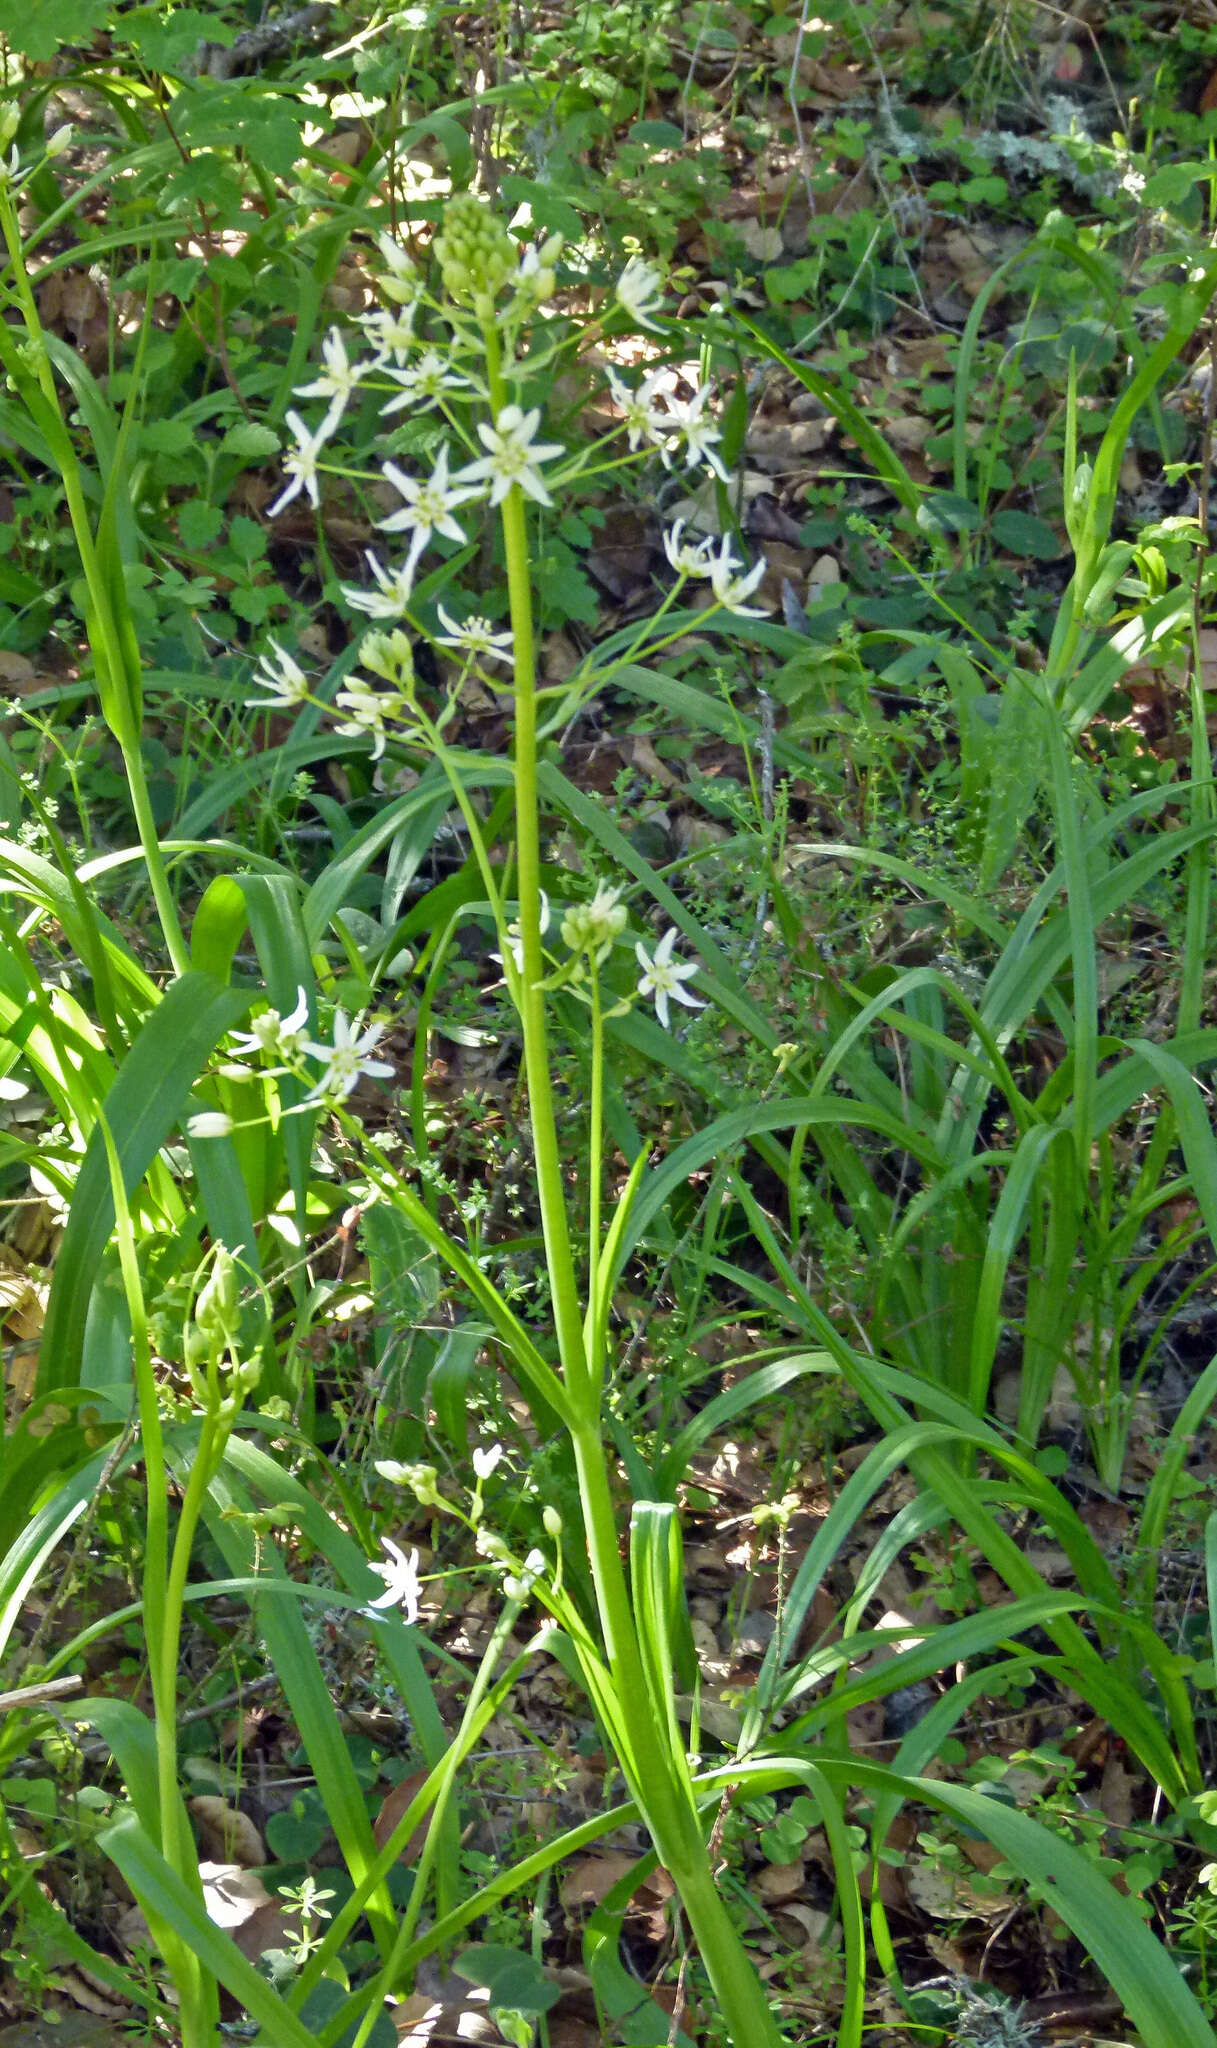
(60, 140)
(209, 1123)
(390, 656)
(553, 1522)
(476, 255)
(217, 1312)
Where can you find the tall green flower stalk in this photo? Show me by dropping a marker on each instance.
(655, 1769)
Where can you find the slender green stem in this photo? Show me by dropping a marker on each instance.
(108, 622)
(595, 1140)
(163, 1587)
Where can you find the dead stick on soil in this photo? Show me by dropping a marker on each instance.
(33, 1695)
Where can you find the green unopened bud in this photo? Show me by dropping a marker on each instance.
(553, 1522)
(1079, 491)
(476, 255)
(60, 140)
(10, 121)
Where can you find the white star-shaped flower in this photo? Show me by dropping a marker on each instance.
(638, 415)
(661, 979)
(423, 383)
(366, 709)
(688, 422)
(390, 329)
(731, 588)
(485, 1461)
(402, 1585)
(513, 457)
(688, 558)
(336, 382)
(474, 636)
(346, 1059)
(283, 676)
(279, 1037)
(640, 290)
(301, 465)
(391, 597)
(430, 503)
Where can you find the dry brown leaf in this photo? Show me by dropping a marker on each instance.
(1116, 1791)
(781, 1880)
(591, 1878)
(227, 1835)
(393, 1806)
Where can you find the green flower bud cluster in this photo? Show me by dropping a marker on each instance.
(390, 656)
(591, 927)
(421, 1480)
(475, 252)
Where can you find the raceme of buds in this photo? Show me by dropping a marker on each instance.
(475, 252)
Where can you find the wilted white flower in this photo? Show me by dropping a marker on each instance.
(347, 1059)
(402, 1587)
(394, 588)
(366, 709)
(535, 1565)
(283, 676)
(301, 465)
(687, 421)
(514, 453)
(429, 505)
(640, 290)
(425, 382)
(638, 415)
(209, 1123)
(400, 280)
(661, 979)
(485, 1461)
(337, 380)
(279, 1037)
(475, 636)
(688, 558)
(733, 589)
